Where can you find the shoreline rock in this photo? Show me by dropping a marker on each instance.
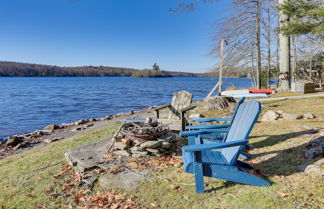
(56, 132)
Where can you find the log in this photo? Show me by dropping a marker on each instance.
(115, 137)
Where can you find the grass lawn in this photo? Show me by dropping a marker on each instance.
(25, 177)
(278, 148)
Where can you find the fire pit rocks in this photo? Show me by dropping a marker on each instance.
(141, 139)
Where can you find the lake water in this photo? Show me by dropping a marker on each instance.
(27, 104)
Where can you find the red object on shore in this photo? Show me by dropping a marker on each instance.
(265, 91)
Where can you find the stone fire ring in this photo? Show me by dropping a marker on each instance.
(144, 137)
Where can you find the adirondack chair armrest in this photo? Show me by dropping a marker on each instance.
(163, 107)
(208, 126)
(187, 108)
(210, 119)
(203, 147)
(203, 131)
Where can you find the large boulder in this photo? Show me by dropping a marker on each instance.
(289, 116)
(309, 116)
(140, 154)
(151, 144)
(127, 180)
(121, 153)
(314, 152)
(270, 116)
(169, 137)
(314, 169)
(121, 146)
(53, 139)
(136, 149)
(14, 140)
(51, 127)
(87, 157)
(166, 145)
(81, 122)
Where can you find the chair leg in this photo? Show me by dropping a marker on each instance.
(245, 156)
(199, 177)
(244, 165)
(191, 140)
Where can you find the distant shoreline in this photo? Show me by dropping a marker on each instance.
(18, 69)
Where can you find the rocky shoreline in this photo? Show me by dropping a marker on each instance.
(18, 143)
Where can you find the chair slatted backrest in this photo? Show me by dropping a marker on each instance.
(180, 100)
(236, 107)
(234, 114)
(245, 118)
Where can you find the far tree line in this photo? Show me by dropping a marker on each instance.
(17, 69)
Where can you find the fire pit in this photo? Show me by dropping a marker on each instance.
(141, 139)
(144, 131)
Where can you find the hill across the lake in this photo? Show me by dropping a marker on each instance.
(18, 69)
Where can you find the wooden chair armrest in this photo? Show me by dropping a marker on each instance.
(187, 108)
(163, 107)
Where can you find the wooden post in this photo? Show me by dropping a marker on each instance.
(220, 81)
(219, 84)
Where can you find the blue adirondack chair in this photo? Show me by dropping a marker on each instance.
(203, 121)
(221, 160)
(219, 136)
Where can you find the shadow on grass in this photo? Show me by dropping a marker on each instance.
(226, 184)
(274, 139)
(286, 161)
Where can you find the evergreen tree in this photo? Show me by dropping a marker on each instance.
(156, 67)
(306, 16)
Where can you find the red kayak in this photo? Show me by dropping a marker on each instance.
(265, 91)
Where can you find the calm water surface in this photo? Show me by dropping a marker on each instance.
(27, 104)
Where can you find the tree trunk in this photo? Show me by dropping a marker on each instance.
(310, 69)
(269, 45)
(258, 38)
(294, 62)
(284, 59)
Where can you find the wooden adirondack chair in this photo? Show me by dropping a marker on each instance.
(180, 105)
(221, 160)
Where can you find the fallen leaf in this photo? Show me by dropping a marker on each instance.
(134, 165)
(154, 204)
(283, 194)
(254, 161)
(180, 190)
(116, 170)
(180, 170)
(110, 157)
(41, 207)
(29, 195)
(174, 187)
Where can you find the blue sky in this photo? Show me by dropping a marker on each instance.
(125, 33)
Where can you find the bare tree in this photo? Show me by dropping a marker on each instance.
(242, 29)
(284, 58)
